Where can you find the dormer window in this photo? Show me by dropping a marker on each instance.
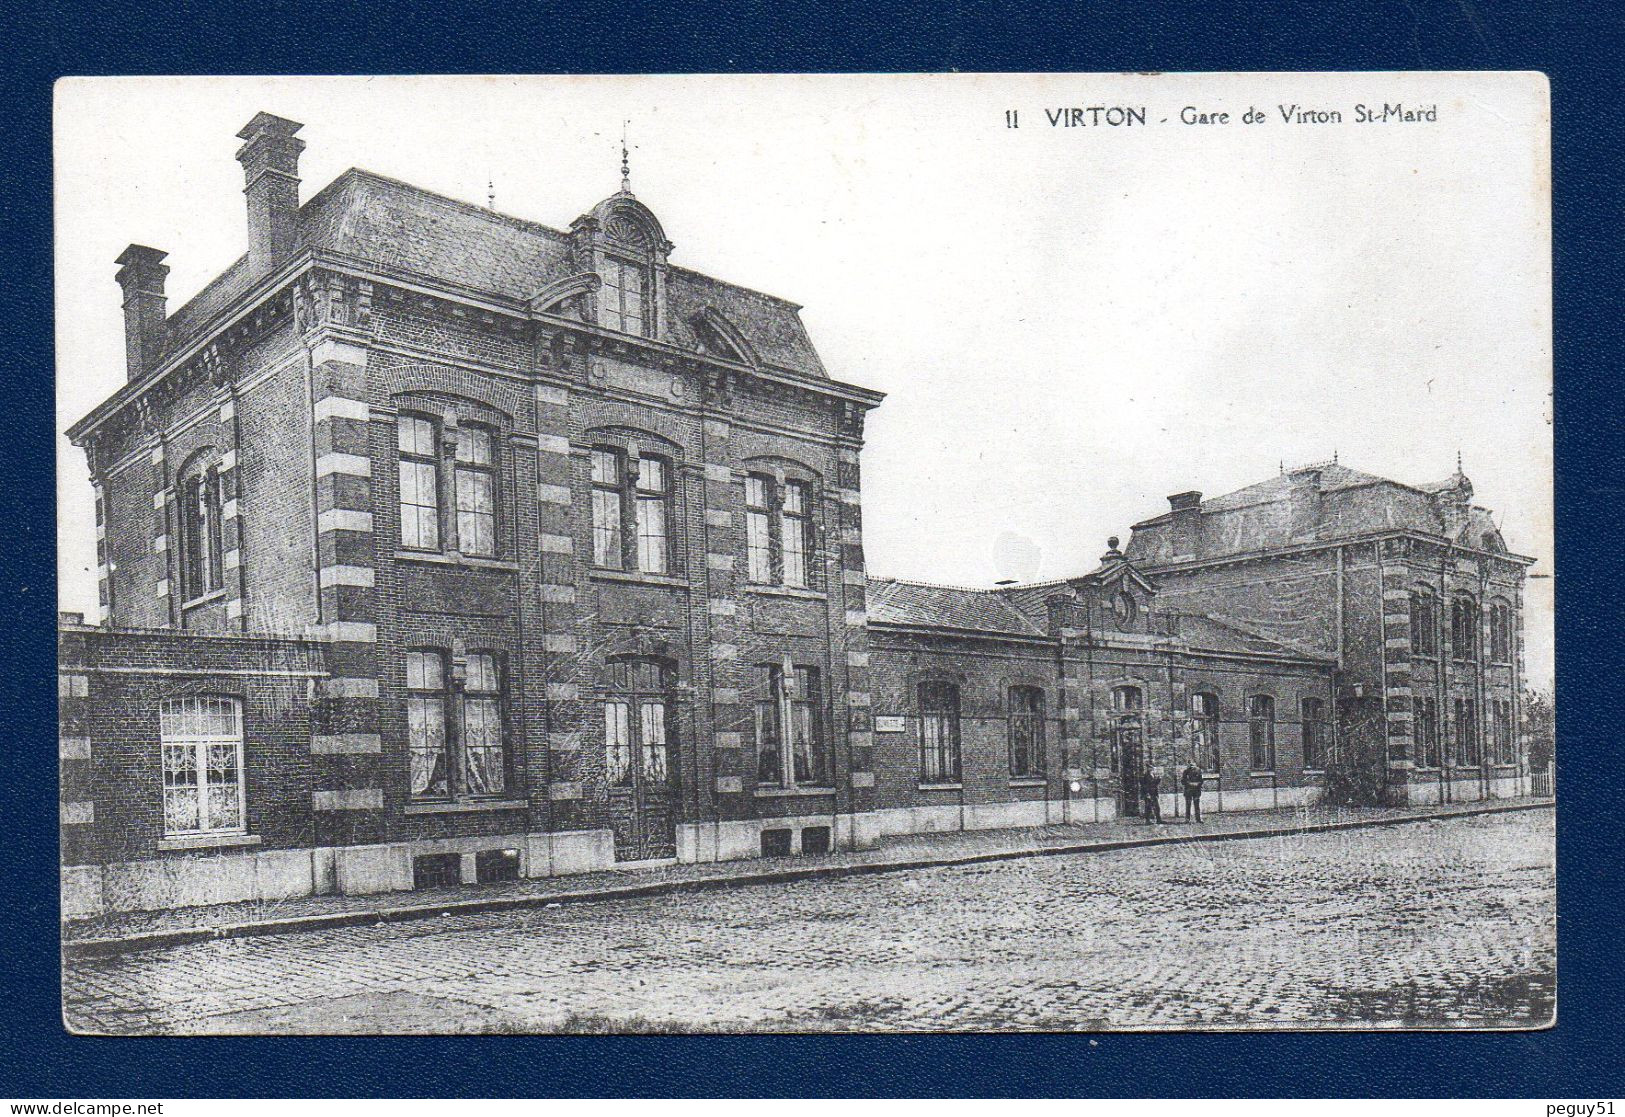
(624, 298)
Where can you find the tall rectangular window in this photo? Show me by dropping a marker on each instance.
(1128, 730)
(1313, 718)
(1426, 729)
(618, 743)
(1464, 640)
(758, 528)
(1424, 624)
(793, 529)
(607, 481)
(1467, 731)
(1026, 731)
(418, 443)
(1205, 731)
(939, 733)
(778, 530)
(484, 765)
(200, 529)
(622, 297)
(475, 472)
(790, 747)
(652, 726)
(1261, 732)
(426, 723)
(653, 492)
(202, 744)
(1500, 632)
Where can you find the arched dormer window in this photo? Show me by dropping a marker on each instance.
(621, 240)
(201, 499)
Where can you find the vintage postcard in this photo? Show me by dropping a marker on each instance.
(774, 553)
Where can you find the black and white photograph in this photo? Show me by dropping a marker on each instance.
(805, 553)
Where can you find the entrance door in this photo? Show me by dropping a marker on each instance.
(1128, 712)
(1131, 756)
(639, 762)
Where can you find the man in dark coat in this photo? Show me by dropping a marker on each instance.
(1191, 780)
(1150, 784)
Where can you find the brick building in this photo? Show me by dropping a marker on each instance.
(438, 545)
(1410, 590)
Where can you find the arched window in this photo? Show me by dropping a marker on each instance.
(1205, 731)
(1261, 732)
(1464, 628)
(1424, 623)
(202, 742)
(1128, 730)
(201, 501)
(1026, 731)
(939, 733)
(428, 448)
(1500, 631)
(778, 530)
(631, 511)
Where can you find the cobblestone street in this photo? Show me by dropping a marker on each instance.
(1446, 923)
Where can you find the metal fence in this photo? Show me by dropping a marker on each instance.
(1540, 783)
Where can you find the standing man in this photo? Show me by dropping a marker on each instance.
(1150, 785)
(1191, 780)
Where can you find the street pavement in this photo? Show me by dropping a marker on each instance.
(1447, 923)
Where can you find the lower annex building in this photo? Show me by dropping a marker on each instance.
(435, 545)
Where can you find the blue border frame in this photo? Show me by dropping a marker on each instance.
(1577, 45)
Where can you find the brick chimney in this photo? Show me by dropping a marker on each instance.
(270, 159)
(141, 274)
(1185, 522)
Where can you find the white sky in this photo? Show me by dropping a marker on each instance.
(1071, 323)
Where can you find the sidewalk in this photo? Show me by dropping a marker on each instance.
(126, 931)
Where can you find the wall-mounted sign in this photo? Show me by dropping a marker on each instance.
(890, 723)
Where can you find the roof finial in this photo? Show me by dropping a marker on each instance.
(1458, 460)
(490, 193)
(626, 165)
(1282, 467)
(1334, 455)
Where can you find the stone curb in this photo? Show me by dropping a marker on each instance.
(155, 940)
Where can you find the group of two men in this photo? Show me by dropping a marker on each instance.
(1190, 780)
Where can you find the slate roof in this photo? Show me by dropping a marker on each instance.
(1018, 611)
(1208, 633)
(892, 601)
(403, 228)
(1270, 515)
